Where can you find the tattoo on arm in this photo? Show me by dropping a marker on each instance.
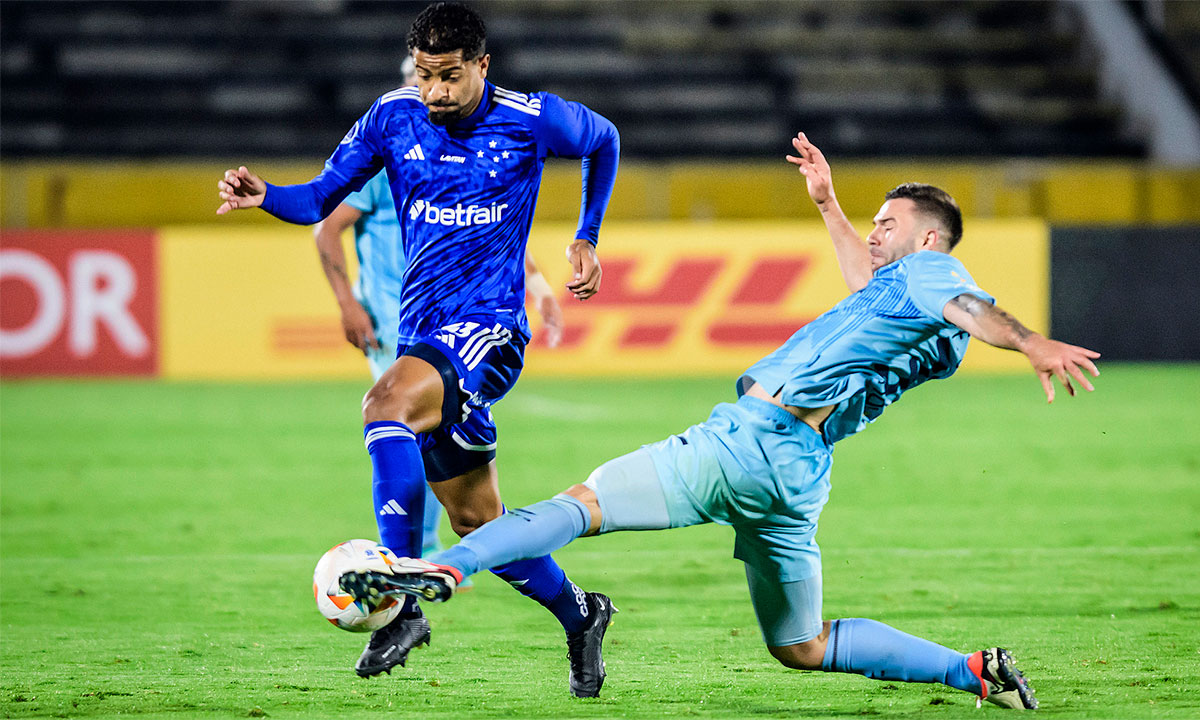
(333, 267)
(985, 311)
(1013, 323)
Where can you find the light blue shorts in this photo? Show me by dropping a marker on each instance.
(753, 466)
(381, 358)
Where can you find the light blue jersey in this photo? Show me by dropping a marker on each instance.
(380, 266)
(872, 346)
(757, 467)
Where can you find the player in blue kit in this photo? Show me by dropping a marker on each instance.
(369, 306)
(463, 159)
(762, 464)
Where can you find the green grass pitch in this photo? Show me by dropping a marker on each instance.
(157, 542)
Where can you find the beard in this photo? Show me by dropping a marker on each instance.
(443, 117)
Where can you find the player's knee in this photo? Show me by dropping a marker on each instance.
(469, 522)
(807, 655)
(391, 403)
(465, 520)
(587, 496)
(375, 404)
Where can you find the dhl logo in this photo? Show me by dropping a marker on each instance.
(677, 298)
(752, 305)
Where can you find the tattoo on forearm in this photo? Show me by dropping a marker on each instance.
(332, 266)
(980, 309)
(1013, 323)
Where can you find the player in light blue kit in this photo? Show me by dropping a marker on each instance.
(464, 160)
(369, 306)
(762, 464)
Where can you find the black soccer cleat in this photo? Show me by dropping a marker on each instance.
(1006, 685)
(409, 576)
(389, 645)
(584, 648)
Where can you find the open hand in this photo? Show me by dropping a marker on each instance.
(814, 168)
(1051, 358)
(240, 189)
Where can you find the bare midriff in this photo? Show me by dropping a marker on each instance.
(813, 417)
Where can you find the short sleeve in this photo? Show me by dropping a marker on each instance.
(366, 200)
(936, 278)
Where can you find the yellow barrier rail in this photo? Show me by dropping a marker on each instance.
(154, 194)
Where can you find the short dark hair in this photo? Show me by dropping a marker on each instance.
(448, 26)
(934, 202)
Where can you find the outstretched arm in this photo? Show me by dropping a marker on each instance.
(303, 204)
(351, 165)
(853, 257)
(1049, 358)
(356, 322)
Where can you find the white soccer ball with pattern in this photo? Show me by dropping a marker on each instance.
(338, 607)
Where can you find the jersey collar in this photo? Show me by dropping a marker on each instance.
(480, 111)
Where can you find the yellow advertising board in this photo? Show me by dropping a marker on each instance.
(677, 298)
(243, 302)
(711, 298)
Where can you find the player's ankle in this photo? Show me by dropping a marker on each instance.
(975, 664)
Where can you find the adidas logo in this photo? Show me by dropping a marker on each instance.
(415, 154)
(392, 508)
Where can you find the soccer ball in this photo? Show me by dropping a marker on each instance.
(338, 607)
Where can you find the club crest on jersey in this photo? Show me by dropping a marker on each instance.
(457, 216)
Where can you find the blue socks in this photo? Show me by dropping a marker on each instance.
(544, 581)
(867, 647)
(517, 546)
(398, 486)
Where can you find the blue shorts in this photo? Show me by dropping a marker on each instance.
(751, 465)
(479, 360)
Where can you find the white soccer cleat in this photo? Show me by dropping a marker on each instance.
(405, 576)
(1003, 683)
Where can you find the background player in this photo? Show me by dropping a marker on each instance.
(762, 465)
(464, 160)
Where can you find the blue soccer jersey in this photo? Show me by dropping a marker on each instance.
(465, 195)
(380, 256)
(872, 346)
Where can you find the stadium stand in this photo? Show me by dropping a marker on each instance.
(1176, 25)
(702, 79)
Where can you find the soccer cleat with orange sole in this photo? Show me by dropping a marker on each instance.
(409, 576)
